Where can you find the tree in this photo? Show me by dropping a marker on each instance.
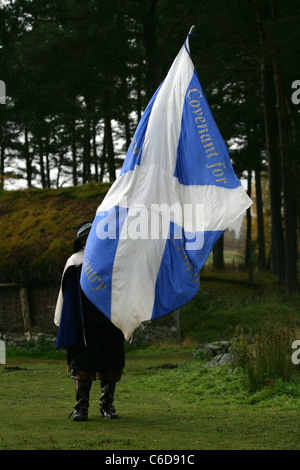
(81, 72)
(271, 20)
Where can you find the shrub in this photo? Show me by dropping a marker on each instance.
(264, 357)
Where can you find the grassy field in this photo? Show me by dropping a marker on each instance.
(166, 400)
(226, 301)
(187, 407)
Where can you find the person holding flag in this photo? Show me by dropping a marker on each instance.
(177, 161)
(94, 345)
(178, 174)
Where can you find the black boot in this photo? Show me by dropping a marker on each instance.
(107, 408)
(83, 388)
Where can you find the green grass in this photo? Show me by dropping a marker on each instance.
(226, 301)
(231, 257)
(184, 408)
(188, 407)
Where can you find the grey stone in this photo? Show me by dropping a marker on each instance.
(220, 360)
(208, 350)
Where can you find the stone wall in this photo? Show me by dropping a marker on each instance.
(165, 329)
(21, 339)
(31, 309)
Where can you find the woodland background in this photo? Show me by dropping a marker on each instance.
(79, 74)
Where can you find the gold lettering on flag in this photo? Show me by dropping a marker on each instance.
(194, 96)
(92, 275)
(195, 275)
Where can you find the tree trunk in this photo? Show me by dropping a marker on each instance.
(218, 254)
(271, 132)
(125, 111)
(139, 95)
(295, 149)
(2, 157)
(102, 159)
(86, 176)
(60, 161)
(25, 306)
(42, 167)
(48, 164)
(261, 261)
(249, 227)
(74, 154)
(127, 130)
(150, 41)
(110, 150)
(249, 250)
(95, 156)
(288, 186)
(288, 182)
(28, 160)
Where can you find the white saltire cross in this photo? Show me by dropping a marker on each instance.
(152, 183)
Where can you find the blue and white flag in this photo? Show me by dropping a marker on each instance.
(176, 195)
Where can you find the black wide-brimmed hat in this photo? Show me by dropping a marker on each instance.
(83, 230)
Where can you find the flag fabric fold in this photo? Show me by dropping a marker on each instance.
(176, 195)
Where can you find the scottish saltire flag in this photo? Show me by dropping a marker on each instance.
(176, 194)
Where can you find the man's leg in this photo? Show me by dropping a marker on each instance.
(107, 408)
